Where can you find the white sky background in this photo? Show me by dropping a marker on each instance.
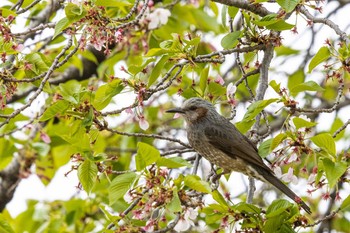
(64, 188)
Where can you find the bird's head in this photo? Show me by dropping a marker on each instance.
(194, 109)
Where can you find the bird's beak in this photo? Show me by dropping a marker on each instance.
(175, 110)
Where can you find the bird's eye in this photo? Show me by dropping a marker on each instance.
(192, 108)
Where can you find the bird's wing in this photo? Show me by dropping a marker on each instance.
(230, 141)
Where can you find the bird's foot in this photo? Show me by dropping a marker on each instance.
(214, 179)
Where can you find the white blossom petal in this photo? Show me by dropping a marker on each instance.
(143, 123)
(182, 225)
(158, 17)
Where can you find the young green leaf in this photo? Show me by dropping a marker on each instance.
(288, 5)
(230, 40)
(87, 173)
(156, 71)
(174, 162)
(120, 185)
(219, 198)
(256, 107)
(277, 140)
(322, 55)
(246, 208)
(59, 107)
(72, 91)
(275, 86)
(194, 182)
(60, 26)
(326, 142)
(306, 86)
(105, 93)
(203, 79)
(264, 148)
(175, 203)
(346, 203)
(300, 123)
(4, 225)
(333, 171)
(146, 155)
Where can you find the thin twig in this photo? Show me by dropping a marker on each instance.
(43, 82)
(328, 22)
(170, 225)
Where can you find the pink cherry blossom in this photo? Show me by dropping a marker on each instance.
(46, 138)
(220, 80)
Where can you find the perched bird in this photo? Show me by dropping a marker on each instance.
(219, 141)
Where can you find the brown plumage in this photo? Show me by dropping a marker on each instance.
(217, 140)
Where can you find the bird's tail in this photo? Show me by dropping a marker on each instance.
(284, 188)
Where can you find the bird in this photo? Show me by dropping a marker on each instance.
(215, 138)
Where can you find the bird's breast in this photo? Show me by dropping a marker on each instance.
(215, 156)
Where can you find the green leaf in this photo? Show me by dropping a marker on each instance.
(288, 5)
(346, 203)
(39, 62)
(5, 12)
(59, 107)
(255, 108)
(72, 91)
(230, 40)
(74, 12)
(175, 203)
(300, 123)
(87, 174)
(88, 119)
(337, 123)
(275, 86)
(194, 182)
(157, 52)
(135, 69)
(273, 23)
(306, 86)
(326, 142)
(264, 148)
(204, 79)
(7, 149)
(146, 155)
(277, 207)
(113, 3)
(333, 171)
(174, 162)
(105, 93)
(219, 198)
(280, 25)
(223, 15)
(4, 225)
(216, 89)
(277, 140)
(120, 185)
(244, 126)
(296, 78)
(157, 70)
(322, 55)
(232, 11)
(60, 26)
(246, 208)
